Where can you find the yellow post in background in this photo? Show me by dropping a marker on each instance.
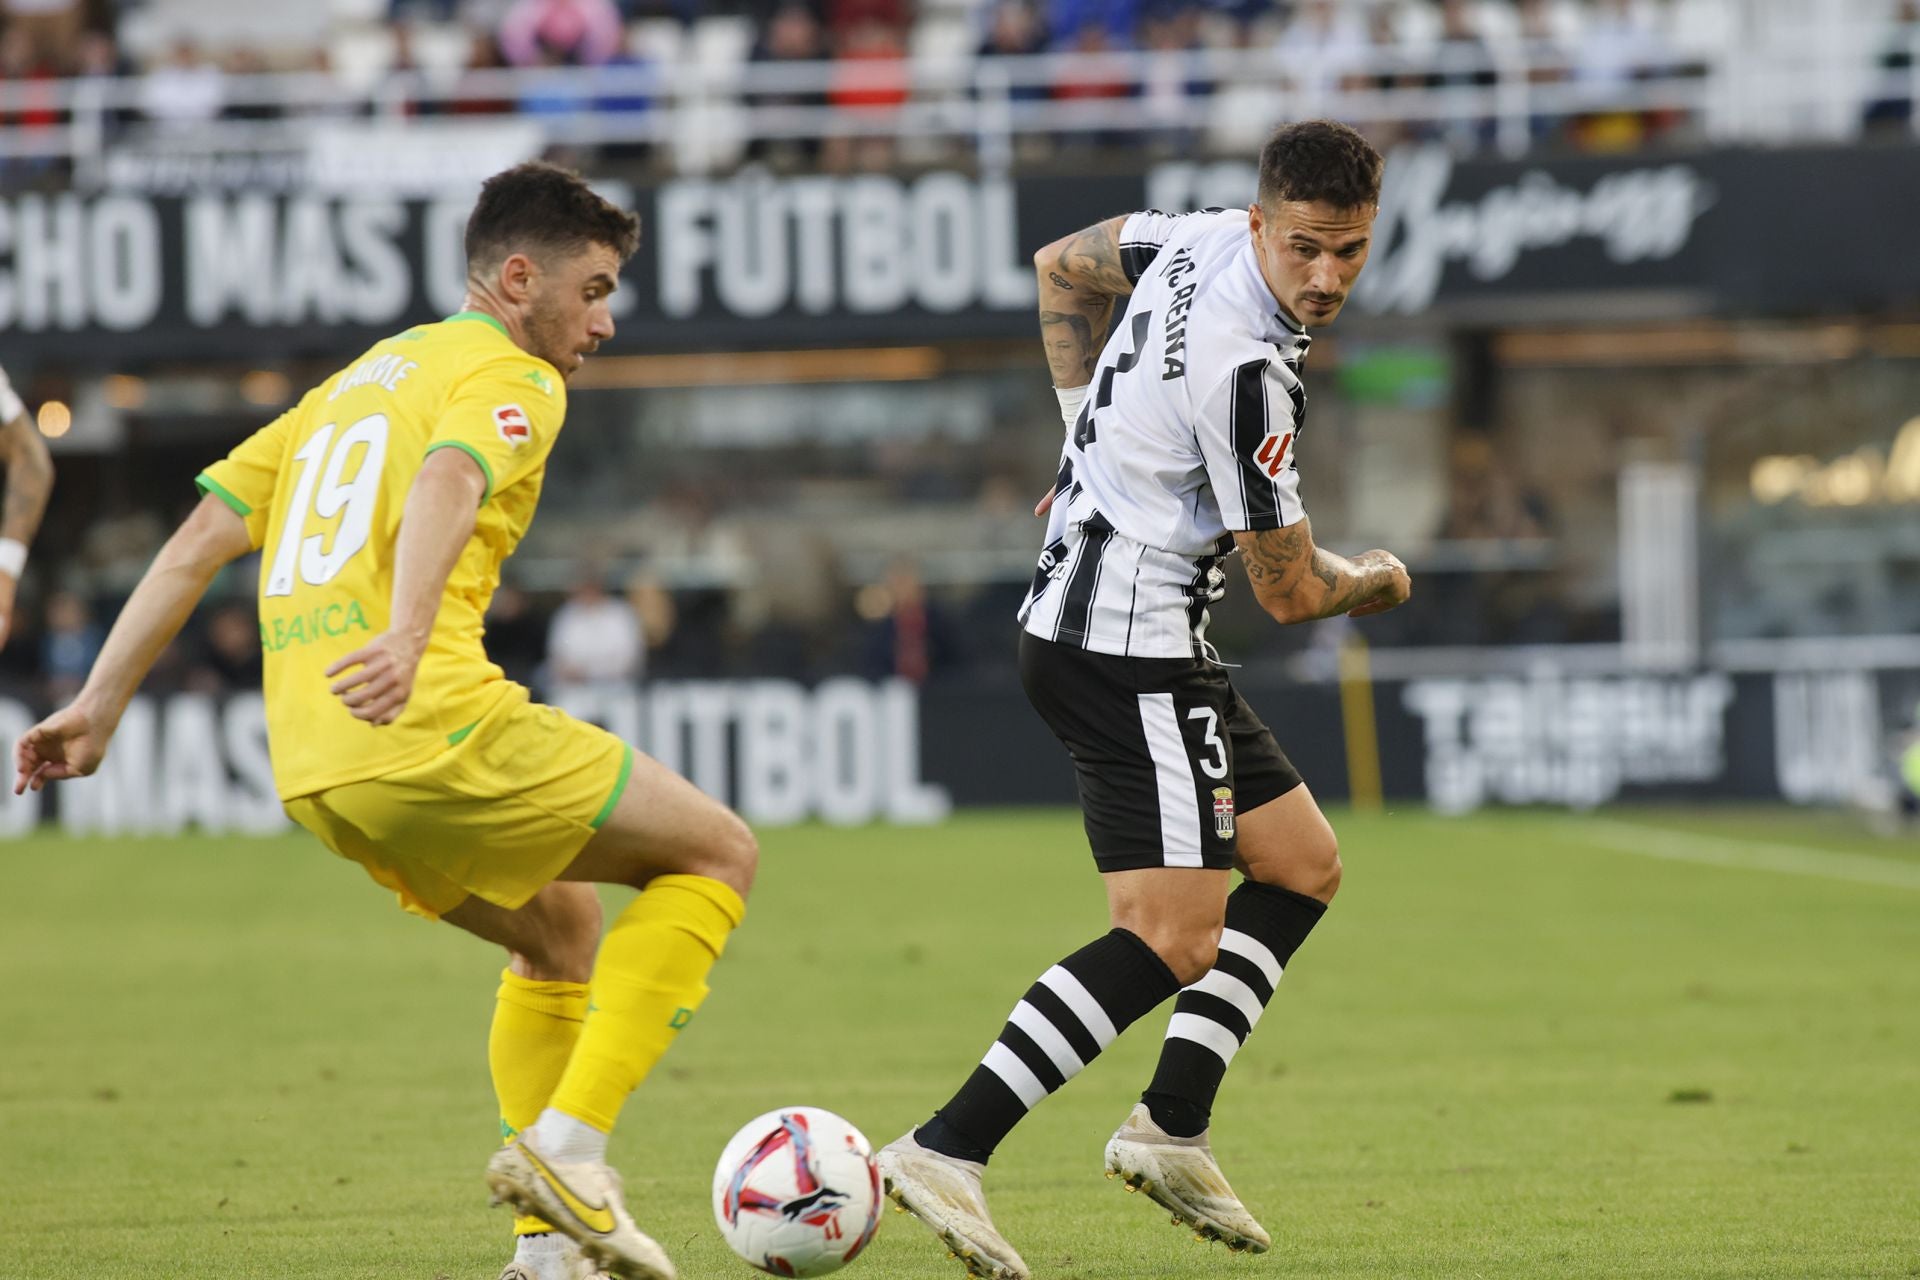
(1356, 714)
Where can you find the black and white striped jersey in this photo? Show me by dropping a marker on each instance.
(1188, 434)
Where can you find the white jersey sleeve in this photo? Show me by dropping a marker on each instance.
(1247, 427)
(1143, 234)
(10, 404)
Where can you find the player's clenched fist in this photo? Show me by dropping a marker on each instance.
(1395, 587)
(67, 744)
(377, 678)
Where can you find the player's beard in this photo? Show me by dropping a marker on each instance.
(547, 338)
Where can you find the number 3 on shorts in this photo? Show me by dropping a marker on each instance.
(1215, 768)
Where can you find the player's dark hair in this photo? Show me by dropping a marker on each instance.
(538, 208)
(1319, 161)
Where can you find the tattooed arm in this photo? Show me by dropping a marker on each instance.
(29, 481)
(1296, 581)
(1079, 278)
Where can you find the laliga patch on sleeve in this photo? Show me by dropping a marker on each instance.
(1272, 454)
(514, 428)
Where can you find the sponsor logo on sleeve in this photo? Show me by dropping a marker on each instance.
(1272, 454)
(512, 422)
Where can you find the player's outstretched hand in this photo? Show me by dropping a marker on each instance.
(376, 680)
(1045, 504)
(1396, 590)
(67, 744)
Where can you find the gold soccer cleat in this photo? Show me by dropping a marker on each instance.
(1181, 1176)
(945, 1194)
(584, 1201)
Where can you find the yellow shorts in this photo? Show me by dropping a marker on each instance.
(499, 813)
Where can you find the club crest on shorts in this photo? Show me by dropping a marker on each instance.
(513, 424)
(1223, 812)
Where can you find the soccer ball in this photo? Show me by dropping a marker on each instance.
(796, 1192)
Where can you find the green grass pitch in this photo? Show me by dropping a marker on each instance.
(1514, 1049)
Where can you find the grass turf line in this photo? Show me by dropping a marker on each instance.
(233, 1058)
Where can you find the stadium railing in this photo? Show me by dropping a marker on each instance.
(705, 117)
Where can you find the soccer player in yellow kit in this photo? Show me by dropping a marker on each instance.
(383, 505)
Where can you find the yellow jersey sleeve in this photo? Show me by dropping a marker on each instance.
(246, 478)
(504, 415)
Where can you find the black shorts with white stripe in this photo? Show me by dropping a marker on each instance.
(1166, 752)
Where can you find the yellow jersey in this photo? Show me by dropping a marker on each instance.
(322, 489)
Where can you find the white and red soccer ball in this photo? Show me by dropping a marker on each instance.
(797, 1193)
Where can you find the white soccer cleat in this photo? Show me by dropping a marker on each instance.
(944, 1192)
(583, 1201)
(1182, 1177)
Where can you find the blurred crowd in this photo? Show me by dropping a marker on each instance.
(1490, 574)
(612, 627)
(420, 56)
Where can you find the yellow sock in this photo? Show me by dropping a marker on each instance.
(650, 977)
(535, 1026)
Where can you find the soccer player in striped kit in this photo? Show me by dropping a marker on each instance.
(1182, 455)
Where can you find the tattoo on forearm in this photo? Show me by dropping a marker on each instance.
(1093, 257)
(1348, 585)
(1284, 564)
(1076, 301)
(29, 484)
(1273, 557)
(1069, 341)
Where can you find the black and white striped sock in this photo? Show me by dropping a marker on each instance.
(1074, 1011)
(1214, 1016)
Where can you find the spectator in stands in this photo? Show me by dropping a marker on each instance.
(1387, 71)
(556, 91)
(185, 91)
(23, 67)
(792, 34)
(1547, 61)
(403, 85)
(1070, 19)
(68, 647)
(232, 659)
(1172, 83)
(426, 10)
(97, 62)
(582, 33)
(625, 89)
(908, 636)
(594, 637)
(483, 56)
(1891, 111)
(1014, 30)
(869, 79)
(50, 28)
(516, 636)
(1324, 44)
(654, 605)
(843, 16)
(1461, 60)
(1485, 500)
(1095, 77)
(403, 80)
(245, 60)
(1617, 47)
